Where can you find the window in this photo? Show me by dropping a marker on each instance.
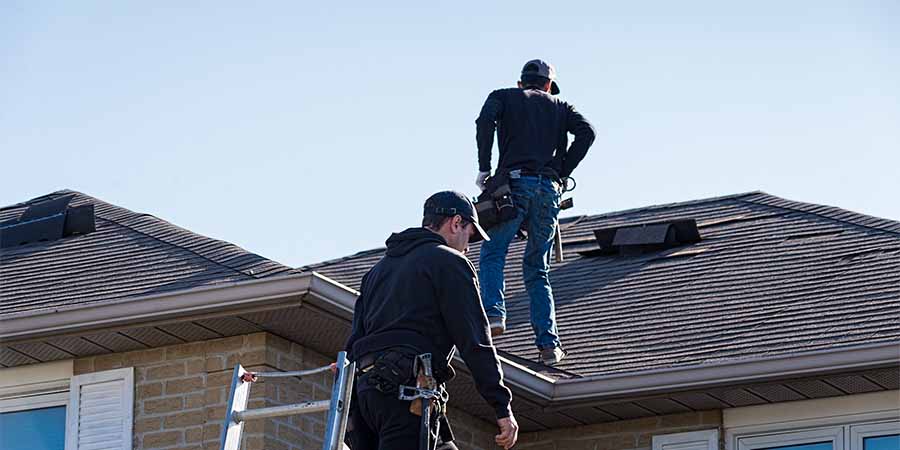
(877, 436)
(853, 422)
(44, 407)
(33, 429)
(829, 438)
(33, 403)
(866, 436)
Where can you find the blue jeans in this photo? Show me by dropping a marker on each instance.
(537, 201)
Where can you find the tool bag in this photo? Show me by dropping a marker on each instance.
(495, 204)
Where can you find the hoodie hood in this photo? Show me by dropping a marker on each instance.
(408, 240)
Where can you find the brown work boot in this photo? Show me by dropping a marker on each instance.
(552, 355)
(498, 326)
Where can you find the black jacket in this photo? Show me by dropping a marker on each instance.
(532, 129)
(425, 294)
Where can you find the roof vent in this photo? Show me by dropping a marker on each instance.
(645, 237)
(47, 221)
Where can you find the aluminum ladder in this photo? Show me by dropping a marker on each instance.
(338, 406)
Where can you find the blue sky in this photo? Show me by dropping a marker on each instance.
(306, 131)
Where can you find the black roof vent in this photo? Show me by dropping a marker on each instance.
(645, 237)
(47, 221)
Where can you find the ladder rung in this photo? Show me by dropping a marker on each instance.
(283, 410)
(296, 373)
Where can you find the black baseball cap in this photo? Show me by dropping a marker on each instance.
(451, 203)
(542, 69)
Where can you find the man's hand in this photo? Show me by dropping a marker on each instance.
(479, 180)
(509, 432)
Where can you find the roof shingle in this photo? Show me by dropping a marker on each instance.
(770, 277)
(129, 255)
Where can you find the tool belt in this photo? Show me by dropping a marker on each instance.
(398, 372)
(495, 204)
(388, 370)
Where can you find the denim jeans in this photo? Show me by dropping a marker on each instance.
(537, 201)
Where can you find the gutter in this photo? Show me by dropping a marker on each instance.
(217, 300)
(319, 291)
(729, 373)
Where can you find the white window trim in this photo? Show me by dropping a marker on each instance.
(858, 433)
(676, 440)
(36, 401)
(35, 386)
(834, 435)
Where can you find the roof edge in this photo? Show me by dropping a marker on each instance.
(562, 393)
(854, 357)
(220, 299)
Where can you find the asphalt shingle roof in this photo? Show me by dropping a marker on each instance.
(129, 255)
(770, 277)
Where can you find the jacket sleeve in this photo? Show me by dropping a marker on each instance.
(584, 137)
(485, 125)
(359, 314)
(460, 302)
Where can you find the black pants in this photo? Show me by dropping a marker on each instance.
(383, 422)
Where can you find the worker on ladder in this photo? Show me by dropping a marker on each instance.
(532, 126)
(416, 307)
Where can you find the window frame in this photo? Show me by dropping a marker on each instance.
(34, 395)
(834, 434)
(859, 432)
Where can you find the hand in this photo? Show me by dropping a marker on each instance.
(509, 432)
(249, 377)
(482, 176)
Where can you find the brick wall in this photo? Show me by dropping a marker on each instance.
(181, 395)
(180, 390)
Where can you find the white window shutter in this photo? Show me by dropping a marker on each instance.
(99, 414)
(693, 440)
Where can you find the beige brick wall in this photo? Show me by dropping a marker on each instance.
(181, 395)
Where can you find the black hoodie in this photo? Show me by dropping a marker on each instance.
(425, 294)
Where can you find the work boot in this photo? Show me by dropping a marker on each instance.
(498, 326)
(552, 355)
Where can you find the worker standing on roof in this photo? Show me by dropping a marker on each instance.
(532, 126)
(422, 298)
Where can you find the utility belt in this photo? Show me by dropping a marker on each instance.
(411, 377)
(495, 205)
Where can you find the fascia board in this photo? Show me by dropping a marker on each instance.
(219, 299)
(728, 373)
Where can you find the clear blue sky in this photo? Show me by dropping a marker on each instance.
(305, 131)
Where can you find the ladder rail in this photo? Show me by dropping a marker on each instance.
(338, 406)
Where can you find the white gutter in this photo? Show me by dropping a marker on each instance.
(728, 373)
(322, 292)
(217, 300)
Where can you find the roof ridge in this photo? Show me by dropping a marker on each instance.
(670, 205)
(314, 266)
(41, 198)
(121, 209)
(827, 212)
